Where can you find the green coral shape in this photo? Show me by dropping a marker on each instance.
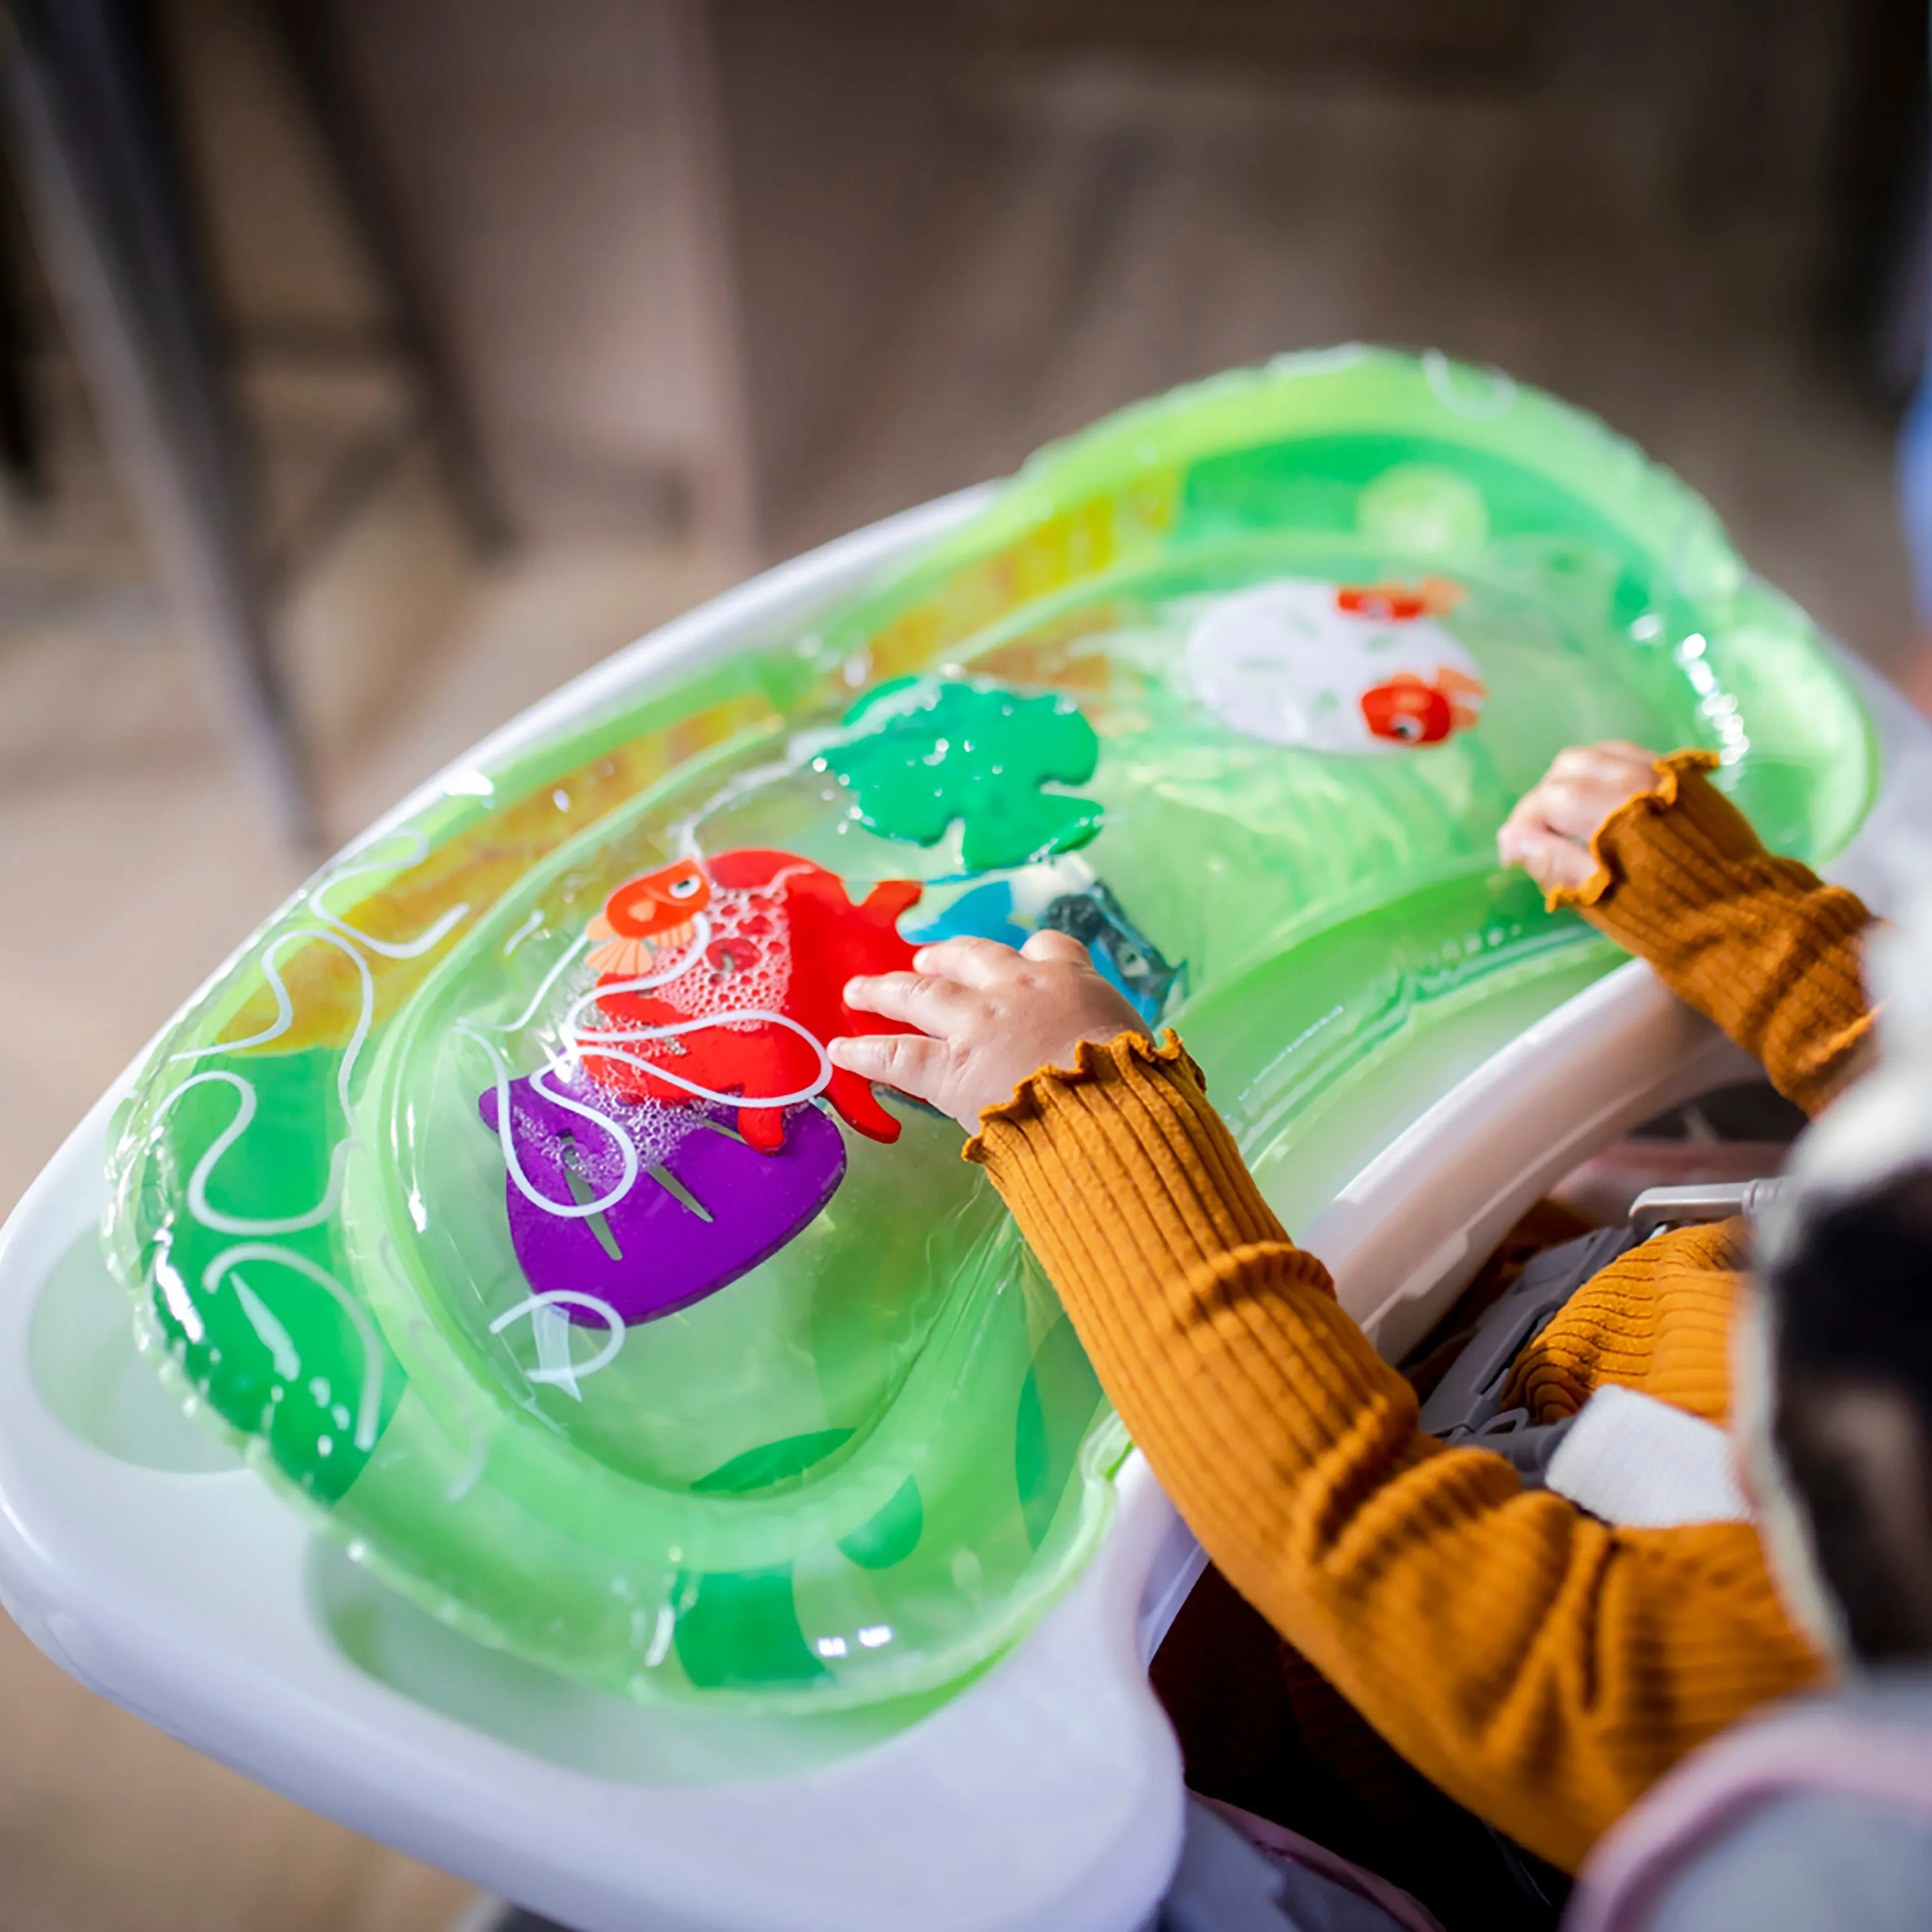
(939, 751)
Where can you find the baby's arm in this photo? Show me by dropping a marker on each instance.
(1652, 852)
(1541, 1667)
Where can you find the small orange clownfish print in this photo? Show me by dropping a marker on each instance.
(1410, 710)
(647, 915)
(1397, 603)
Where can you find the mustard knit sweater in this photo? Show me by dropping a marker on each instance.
(1541, 1666)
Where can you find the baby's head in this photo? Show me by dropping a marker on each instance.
(1833, 1358)
(1835, 1415)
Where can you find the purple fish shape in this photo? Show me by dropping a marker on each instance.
(701, 1211)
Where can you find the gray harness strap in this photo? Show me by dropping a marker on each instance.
(1466, 1406)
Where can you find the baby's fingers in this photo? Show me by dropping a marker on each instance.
(928, 1000)
(908, 1061)
(1610, 760)
(1552, 860)
(973, 962)
(1062, 947)
(1575, 807)
(1526, 826)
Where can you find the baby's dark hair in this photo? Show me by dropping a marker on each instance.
(1852, 1296)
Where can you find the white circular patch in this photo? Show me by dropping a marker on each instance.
(1331, 668)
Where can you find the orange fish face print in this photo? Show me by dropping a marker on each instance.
(1408, 711)
(647, 915)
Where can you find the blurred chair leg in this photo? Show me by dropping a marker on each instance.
(691, 110)
(21, 453)
(313, 45)
(89, 131)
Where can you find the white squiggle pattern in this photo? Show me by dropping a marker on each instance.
(776, 882)
(285, 1011)
(558, 1297)
(708, 1004)
(608, 1043)
(211, 1216)
(412, 949)
(534, 923)
(605, 1046)
(537, 998)
(199, 1204)
(694, 951)
(272, 1335)
(800, 750)
(705, 1004)
(564, 1210)
(408, 949)
(663, 1628)
(369, 1409)
(1498, 400)
(256, 1249)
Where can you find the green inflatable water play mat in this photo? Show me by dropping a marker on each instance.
(499, 1197)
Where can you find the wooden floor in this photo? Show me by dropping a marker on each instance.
(1119, 238)
(129, 840)
(108, 1826)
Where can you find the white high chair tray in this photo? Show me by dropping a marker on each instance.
(1044, 1797)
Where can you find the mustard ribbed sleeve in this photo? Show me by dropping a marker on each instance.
(1758, 943)
(1539, 1666)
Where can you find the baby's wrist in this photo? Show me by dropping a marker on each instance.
(1103, 1034)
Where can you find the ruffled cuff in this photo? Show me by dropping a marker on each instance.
(1757, 942)
(1122, 1147)
(1095, 1062)
(1671, 791)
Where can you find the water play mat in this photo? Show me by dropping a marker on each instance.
(498, 1196)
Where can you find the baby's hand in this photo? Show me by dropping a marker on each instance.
(1548, 833)
(993, 1016)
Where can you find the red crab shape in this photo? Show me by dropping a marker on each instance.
(788, 939)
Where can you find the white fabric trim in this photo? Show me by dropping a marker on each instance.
(1639, 1462)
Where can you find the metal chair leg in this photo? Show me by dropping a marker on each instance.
(22, 451)
(100, 176)
(313, 45)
